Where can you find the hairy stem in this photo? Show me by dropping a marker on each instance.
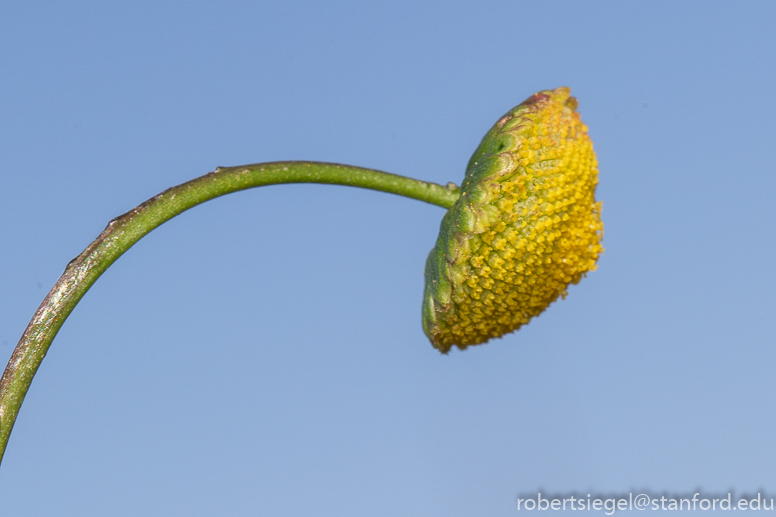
(124, 231)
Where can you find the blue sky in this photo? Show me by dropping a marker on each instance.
(262, 354)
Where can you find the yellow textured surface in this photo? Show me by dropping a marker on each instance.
(526, 226)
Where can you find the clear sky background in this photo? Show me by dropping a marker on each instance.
(262, 354)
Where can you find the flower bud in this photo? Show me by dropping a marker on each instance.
(525, 227)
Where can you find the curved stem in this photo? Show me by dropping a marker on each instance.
(124, 231)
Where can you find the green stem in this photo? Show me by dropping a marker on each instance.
(124, 231)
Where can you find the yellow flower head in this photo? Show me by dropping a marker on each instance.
(525, 227)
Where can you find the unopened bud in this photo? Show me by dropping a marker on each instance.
(525, 227)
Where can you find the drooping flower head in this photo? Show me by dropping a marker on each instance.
(525, 227)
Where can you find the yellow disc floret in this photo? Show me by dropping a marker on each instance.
(525, 227)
